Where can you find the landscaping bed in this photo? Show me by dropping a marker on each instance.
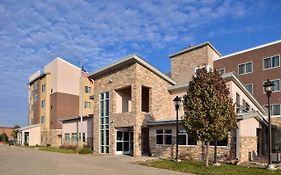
(197, 167)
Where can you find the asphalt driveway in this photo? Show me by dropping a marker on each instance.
(25, 161)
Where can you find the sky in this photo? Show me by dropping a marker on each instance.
(32, 33)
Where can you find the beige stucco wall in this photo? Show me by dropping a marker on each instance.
(179, 93)
(248, 127)
(34, 136)
(65, 77)
(74, 126)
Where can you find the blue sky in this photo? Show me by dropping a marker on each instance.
(32, 33)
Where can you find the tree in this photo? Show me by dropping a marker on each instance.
(15, 132)
(208, 110)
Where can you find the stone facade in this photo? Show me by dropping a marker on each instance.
(189, 151)
(135, 76)
(51, 137)
(248, 148)
(183, 65)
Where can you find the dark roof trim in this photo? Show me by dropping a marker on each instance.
(76, 117)
(195, 47)
(163, 122)
(39, 77)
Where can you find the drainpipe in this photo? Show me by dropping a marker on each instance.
(238, 142)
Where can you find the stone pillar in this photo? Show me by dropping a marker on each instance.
(248, 148)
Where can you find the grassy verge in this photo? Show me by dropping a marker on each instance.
(55, 149)
(197, 167)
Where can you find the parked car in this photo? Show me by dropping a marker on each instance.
(12, 142)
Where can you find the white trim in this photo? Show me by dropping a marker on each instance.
(270, 62)
(61, 59)
(250, 49)
(245, 67)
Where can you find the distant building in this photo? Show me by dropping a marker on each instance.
(8, 131)
(55, 94)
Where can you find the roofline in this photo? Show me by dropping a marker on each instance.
(61, 59)
(235, 78)
(255, 114)
(178, 87)
(27, 127)
(195, 47)
(76, 117)
(40, 76)
(250, 49)
(138, 59)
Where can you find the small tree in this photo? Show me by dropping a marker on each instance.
(15, 132)
(208, 110)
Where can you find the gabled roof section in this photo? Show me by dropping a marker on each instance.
(233, 77)
(128, 60)
(195, 47)
(250, 49)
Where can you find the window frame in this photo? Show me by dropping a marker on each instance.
(245, 63)
(222, 69)
(164, 135)
(186, 138)
(252, 88)
(270, 62)
(271, 109)
(273, 86)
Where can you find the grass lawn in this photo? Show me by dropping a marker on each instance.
(55, 149)
(197, 167)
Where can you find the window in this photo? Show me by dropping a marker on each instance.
(43, 103)
(67, 137)
(184, 139)
(245, 68)
(222, 142)
(275, 109)
(249, 87)
(164, 137)
(104, 122)
(74, 137)
(87, 89)
(43, 119)
(276, 87)
(271, 62)
(84, 136)
(43, 88)
(221, 71)
(246, 106)
(238, 106)
(85, 104)
(35, 85)
(35, 97)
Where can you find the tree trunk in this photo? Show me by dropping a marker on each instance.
(207, 154)
(215, 153)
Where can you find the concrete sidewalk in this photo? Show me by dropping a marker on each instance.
(17, 160)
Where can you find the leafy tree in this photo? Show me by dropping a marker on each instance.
(208, 110)
(15, 132)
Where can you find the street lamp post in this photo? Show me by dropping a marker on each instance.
(268, 85)
(177, 101)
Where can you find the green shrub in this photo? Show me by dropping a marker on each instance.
(72, 147)
(85, 151)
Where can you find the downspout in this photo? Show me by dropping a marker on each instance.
(237, 151)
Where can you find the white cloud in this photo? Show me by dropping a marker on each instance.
(34, 32)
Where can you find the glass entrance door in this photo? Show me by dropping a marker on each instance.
(124, 142)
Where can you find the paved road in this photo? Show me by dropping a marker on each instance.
(25, 161)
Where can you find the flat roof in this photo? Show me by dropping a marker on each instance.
(250, 49)
(130, 59)
(195, 47)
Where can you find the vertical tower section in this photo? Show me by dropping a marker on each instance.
(184, 62)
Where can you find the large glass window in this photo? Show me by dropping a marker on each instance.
(222, 142)
(67, 137)
(104, 122)
(43, 104)
(271, 62)
(275, 109)
(245, 68)
(185, 139)
(43, 118)
(164, 137)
